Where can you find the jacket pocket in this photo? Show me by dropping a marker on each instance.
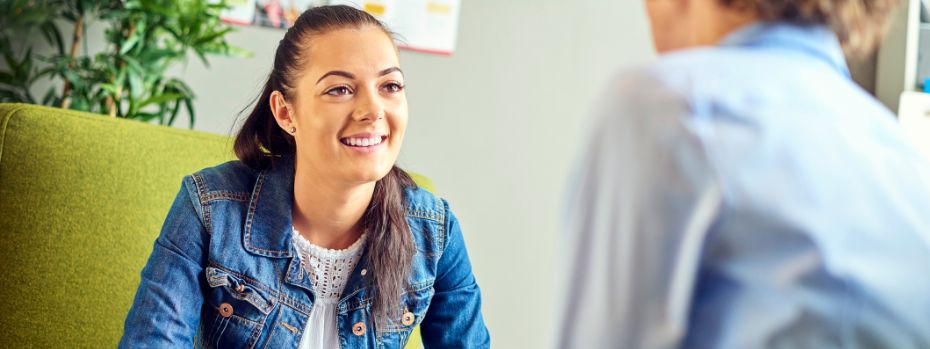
(235, 310)
(413, 305)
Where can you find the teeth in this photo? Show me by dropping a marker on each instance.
(363, 142)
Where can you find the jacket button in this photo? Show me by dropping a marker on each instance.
(226, 310)
(408, 319)
(358, 329)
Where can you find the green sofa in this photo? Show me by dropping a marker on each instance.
(82, 198)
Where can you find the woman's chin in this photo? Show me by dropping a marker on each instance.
(368, 176)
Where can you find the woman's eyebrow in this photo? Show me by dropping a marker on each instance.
(352, 76)
(338, 73)
(390, 70)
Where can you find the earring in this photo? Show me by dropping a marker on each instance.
(292, 129)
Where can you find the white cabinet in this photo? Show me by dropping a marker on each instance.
(902, 66)
(896, 69)
(914, 116)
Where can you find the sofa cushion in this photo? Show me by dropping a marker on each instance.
(82, 198)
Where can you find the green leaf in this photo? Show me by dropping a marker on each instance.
(11, 62)
(236, 51)
(145, 116)
(53, 36)
(162, 108)
(133, 63)
(8, 96)
(111, 88)
(47, 71)
(7, 78)
(174, 33)
(136, 85)
(174, 112)
(154, 7)
(189, 106)
(72, 76)
(168, 97)
(25, 67)
(212, 36)
(156, 55)
(203, 58)
(51, 97)
(79, 103)
(129, 44)
(181, 87)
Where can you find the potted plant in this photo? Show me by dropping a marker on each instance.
(126, 79)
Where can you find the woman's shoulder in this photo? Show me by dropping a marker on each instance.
(229, 177)
(423, 204)
(430, 219)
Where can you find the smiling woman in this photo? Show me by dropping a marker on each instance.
(314, 237)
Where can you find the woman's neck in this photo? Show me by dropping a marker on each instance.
(328, 213)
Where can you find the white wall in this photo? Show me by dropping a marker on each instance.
(495, 126)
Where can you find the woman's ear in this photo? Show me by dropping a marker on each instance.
(282, 112)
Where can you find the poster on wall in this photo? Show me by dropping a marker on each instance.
(267, 13)
(421, 25)
(241, 12)
(429, 26)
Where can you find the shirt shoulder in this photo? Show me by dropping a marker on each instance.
(696, 76)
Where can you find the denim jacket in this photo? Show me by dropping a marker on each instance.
(224, 273)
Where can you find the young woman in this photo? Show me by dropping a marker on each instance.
(313, 239)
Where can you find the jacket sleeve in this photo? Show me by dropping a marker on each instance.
(166, 310)
(454, 318)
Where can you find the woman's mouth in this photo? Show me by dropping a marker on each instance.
(364, 142)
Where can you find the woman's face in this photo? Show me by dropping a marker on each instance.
(349, 106)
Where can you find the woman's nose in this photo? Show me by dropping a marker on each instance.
(369, 108)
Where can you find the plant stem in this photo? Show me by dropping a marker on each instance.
(75, 41)
(111, 104)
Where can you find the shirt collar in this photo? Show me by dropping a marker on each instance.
(816, 41)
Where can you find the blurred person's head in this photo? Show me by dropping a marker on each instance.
(679, 24)
(335, 101)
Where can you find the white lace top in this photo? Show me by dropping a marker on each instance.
(329, 271)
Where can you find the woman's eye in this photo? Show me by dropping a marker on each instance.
(339, 91)
(393, 87)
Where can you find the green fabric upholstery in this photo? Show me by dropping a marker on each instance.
(82, 198)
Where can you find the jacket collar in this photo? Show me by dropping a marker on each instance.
(268, 222)
(816, 41)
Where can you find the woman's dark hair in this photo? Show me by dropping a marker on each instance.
(261, 141)
(859, 24)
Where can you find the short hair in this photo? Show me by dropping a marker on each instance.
(859, 24)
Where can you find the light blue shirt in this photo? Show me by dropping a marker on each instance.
(748, 195)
